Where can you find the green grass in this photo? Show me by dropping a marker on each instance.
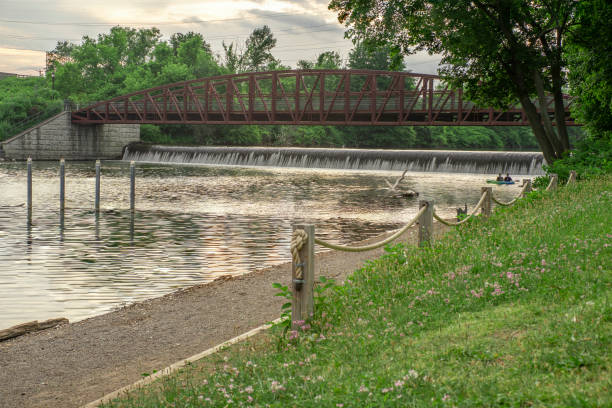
(513, 311)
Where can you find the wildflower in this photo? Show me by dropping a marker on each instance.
(411, 374)
(276, 386)
(477, 294)
(339, 405)
(363, 388)
(399, 384)
(250, 399)
(446, 397)
(293, 334)
(386, 390)
(249, 389)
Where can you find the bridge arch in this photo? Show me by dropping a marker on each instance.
(306, 97)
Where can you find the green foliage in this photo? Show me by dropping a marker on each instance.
(499, 53)
(590, 69)
(510, 311)
(128, 59)
(592, 157)
(23, 98)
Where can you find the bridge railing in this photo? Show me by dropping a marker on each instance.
(304, 97)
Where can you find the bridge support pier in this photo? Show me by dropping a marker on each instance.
(58, 138)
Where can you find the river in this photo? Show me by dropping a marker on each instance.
(192, 223)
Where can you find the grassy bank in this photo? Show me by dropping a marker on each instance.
(511, 311)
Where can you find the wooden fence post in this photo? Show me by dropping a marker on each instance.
(303, 289)
(486, 205)
(527, 184)
(554, 182)
(426, 223)
(572, 177)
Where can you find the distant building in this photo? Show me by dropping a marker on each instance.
(8, 74)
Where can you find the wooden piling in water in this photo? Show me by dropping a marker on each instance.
(29, 189)
(132, 185)
(62, 176)
(486, 205)
(97, 201)
(426, 223)
(303, 289)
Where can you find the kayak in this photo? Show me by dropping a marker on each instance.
(499, 182)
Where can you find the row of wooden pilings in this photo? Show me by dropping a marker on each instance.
(303, 289)
(62, 186)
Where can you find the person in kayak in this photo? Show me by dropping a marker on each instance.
(507, 178)
(500, 177)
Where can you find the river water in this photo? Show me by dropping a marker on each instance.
(192, 223)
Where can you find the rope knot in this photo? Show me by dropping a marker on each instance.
(298, 239)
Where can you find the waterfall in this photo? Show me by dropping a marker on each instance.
(484, 162)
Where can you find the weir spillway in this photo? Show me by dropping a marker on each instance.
(446, 161)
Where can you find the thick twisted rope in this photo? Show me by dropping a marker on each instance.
(453, 224)
(571, 179)
(298, 239)
(372, 246)
(496, 201)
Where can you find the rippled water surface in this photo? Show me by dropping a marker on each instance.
(191, 224)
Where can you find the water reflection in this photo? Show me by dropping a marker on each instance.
(191, 224)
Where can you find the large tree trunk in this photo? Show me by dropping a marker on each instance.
(545, 119)
(538, 130)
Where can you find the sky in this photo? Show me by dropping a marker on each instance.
(303, 29)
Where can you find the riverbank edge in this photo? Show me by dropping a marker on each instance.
(526, 317)
(74, 364)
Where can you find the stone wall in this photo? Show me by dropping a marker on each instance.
(58, 138)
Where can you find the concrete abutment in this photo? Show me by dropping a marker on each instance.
(58, 138)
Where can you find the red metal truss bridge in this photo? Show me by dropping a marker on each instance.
(306, 97)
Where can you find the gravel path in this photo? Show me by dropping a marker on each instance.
(74, 364)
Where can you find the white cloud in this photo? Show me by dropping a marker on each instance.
(303, 28)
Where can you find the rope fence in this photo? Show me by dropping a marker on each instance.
(526, 188)
(303, 240)
(372, 246)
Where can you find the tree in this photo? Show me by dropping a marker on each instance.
(498, 51)
(382, 58)
(590, 69)
(177, 39)
(259, 46)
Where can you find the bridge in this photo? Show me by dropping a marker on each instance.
(306, 97)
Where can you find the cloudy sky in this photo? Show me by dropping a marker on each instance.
(303, 28)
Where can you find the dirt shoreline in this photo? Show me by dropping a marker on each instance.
(72, 365)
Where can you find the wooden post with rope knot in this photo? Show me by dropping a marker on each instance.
(302, 273)
(486, 204)
(554, 182)
(426, 223)
(527, 184)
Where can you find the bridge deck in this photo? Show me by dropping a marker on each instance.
(314, 97)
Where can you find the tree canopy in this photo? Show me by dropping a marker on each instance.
(126, 60)
(498, 51)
